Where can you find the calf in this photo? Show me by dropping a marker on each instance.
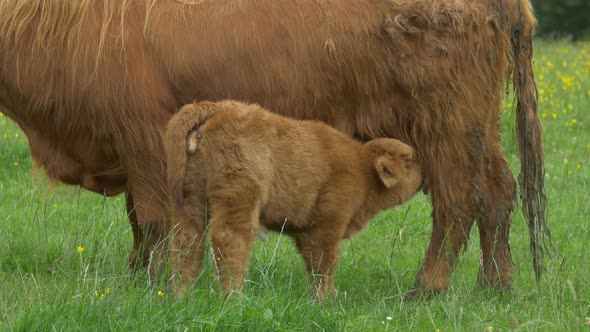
(251, 168)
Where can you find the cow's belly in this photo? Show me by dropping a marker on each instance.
(73, 160)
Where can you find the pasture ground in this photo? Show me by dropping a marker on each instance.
(63, 253)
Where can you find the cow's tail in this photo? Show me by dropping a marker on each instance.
(177, 145)
(529, 137)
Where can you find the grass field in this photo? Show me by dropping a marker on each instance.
(63, 253)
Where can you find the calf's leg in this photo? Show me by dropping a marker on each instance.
(320, 253)
(234, 224)
(319, 244)
(188, 242)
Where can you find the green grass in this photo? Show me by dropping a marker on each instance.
(45, 284)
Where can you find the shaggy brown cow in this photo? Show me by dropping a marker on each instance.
(247, 167)
(93, 83)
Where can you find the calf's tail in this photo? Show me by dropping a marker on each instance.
(177, 147)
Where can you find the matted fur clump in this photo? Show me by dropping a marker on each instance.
(93, 84)
(245, 167)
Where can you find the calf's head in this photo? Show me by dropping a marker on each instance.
(396, 169)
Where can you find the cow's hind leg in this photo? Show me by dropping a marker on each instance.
(455, 178)
(450, 234)
(481, 188)
(494, 222)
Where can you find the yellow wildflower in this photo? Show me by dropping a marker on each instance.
(578, 166)
(80, 250)
(160, 293)
(107, 290)
(565, 161)
(15, 164)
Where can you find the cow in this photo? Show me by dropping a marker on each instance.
(92, 84)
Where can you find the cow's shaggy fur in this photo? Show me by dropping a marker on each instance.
(246, 167)
(92, 84)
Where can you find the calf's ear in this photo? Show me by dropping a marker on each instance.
(388, 170)
(392, 169)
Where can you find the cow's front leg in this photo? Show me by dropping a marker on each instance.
(139, 256)
(148, 210)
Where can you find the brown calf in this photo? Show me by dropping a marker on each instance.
(247, 167)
